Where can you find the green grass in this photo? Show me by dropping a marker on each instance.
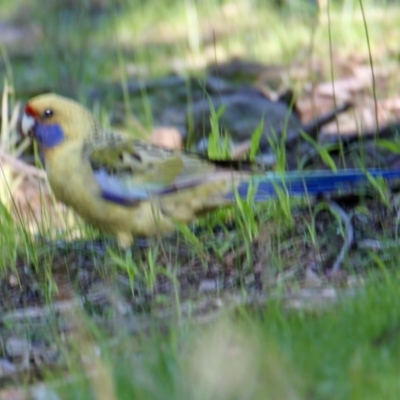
(152, 335)
(348, 349)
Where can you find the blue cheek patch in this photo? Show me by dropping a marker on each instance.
(49, 135)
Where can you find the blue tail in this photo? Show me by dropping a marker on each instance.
(312, 183)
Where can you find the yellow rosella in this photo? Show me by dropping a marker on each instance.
(123, 186)
(131, 188)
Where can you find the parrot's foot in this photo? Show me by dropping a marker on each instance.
(125, 240)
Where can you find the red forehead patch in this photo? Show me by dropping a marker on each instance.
(29, 110)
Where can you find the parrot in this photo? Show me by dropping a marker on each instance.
(130, 188)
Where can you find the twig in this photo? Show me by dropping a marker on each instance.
(349, 238)
(21, 166)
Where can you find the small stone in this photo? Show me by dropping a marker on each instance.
(41, 392)
(208, 285)
(18, 350)
(168, 137)
(13, 281)
(7, 368)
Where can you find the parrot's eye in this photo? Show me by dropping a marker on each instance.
(48, 113)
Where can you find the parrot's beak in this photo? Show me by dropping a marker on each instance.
(27, 125)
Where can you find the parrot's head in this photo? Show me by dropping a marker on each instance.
(54, 120)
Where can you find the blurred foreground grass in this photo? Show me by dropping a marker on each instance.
(348, 350)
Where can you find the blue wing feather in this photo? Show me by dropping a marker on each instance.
(266, 186)
(125, 193)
